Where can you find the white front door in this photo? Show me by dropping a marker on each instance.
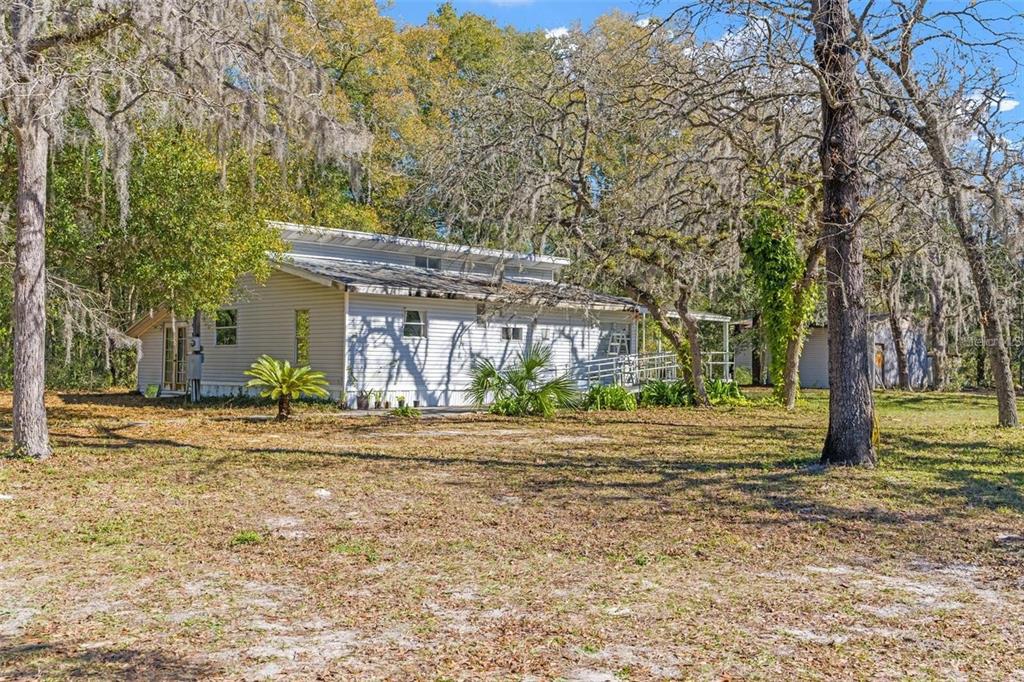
(175, 357)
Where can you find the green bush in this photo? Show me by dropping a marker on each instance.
(666, 394)
(519, 390)
(405, 411)
(725, 393)
(612, 397)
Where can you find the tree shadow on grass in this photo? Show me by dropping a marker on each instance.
(586, 474)
(778, 484)
(35, 660)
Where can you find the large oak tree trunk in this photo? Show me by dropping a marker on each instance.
(851, 408)
(31, 437)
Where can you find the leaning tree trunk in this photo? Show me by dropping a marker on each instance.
(700, 392)
(31, 437)
(675, 339)
(850, 438)
(797, 329)
(937, 332)
(933, 136)
(991, 324)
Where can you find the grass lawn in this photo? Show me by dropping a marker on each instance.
(169, 543)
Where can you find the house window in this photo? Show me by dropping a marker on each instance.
(512, 333)
(415, 324)
(301, 338)
(227, 327)
(429, 263)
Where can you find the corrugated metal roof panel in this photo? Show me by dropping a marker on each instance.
(401, 280)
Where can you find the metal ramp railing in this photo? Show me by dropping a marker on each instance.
(635, 369)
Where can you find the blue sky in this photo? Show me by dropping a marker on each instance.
(525, 15)
(528, 15)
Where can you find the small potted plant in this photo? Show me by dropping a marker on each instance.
(387, 403)
(363, 400)
(401, 401)
(378, 397)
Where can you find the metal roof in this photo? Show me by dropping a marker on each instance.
(403, 280)
(393, 243)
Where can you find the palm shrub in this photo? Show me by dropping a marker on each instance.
(721, 392)
(283, 383)
(612, 397)
(520, 390)
(666, 394)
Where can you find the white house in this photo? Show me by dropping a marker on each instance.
(405, 317)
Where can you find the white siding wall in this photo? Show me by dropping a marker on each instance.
(266, 324)
(151, 360)
(814, 360)
(436, 369)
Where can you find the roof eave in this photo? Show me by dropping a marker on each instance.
(411, 292)
(145, 323)
(425, 244)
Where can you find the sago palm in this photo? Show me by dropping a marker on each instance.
(283, 383)
(519, 390)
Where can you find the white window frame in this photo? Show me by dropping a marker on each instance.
(217, 327)
(309, 337)
(422, 324)
(508, 333)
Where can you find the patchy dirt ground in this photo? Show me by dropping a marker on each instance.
(170, 543)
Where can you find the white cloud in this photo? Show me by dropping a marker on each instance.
(997, 102)
(556, 33)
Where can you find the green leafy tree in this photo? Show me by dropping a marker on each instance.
(784, 280)
(282, 382)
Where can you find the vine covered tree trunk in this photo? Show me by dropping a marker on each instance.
(850, 438)
(798, 332)
(31, 437)
(755, 353)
